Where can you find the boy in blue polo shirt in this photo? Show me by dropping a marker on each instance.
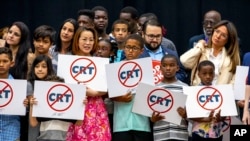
(9, 124)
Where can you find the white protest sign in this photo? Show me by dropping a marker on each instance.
(187, 90)
(161, 100)
(126, 75)
(240, 82)
(59, 100)
(12, 94)
(226, 126)
(202, 99)
(87, 70)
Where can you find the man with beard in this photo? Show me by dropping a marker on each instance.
(147, 16)
(152, 34)
(101, 21)
(211, 18)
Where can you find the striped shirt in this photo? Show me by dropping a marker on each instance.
(53, 130)
(164, 130)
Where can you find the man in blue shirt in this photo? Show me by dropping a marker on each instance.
(152, 34)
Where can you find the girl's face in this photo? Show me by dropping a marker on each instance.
(14, 36)
(103, 49)
(220, 36)
(67, 32)
(132, 49)
(41, 70)
(86, 43)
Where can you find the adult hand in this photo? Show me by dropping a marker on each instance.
(203, 42)
(246, 117)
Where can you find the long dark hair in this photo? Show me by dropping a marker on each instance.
(32, 76)
(20, 69)
(58, 46)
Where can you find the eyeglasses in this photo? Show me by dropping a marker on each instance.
(151, 36)
(133, 48)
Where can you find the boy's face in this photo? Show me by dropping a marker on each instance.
(5, 64)
(206, 74)
(42, 45)
(132, 49)
(126, 16)
(169, 67)
(84, 21)
(101, 20)
(120, 32)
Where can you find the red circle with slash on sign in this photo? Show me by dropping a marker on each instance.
(131, 69)
(62, 94)
(80, 76)
(162, 97)
(210, 102)
(7, 97)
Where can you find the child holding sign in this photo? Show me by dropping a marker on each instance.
(50, 128)
(10, 124)
(40, 69)
(207, 128)
(129, 126)
(164, 130)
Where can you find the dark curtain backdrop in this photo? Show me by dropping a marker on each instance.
(182, 18)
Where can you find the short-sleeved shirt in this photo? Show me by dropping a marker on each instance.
(125, 119)
(53, 130)
(208, 129)
(164, 130)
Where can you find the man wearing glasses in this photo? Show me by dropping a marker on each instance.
(152, 34)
